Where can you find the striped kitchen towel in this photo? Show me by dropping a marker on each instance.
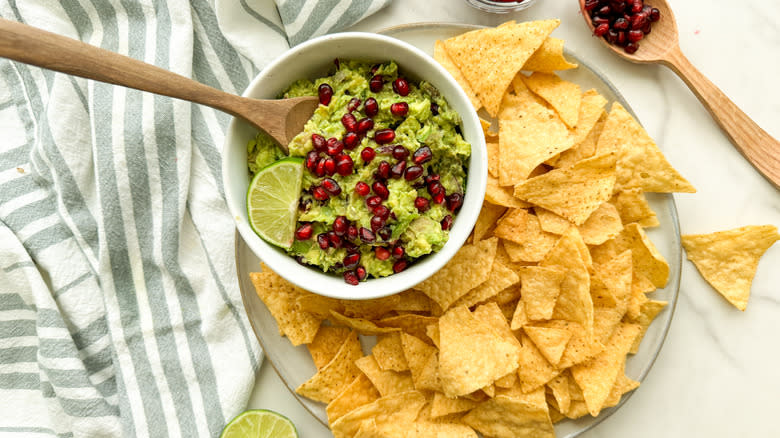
(119, 306)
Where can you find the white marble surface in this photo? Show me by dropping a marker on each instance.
(718, 374)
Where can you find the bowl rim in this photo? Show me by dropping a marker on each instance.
(309, 278)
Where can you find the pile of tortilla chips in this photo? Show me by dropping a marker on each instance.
(532, 321)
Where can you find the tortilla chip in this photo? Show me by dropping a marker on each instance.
(318, 305)
(564, 96)
(386, 382)
(647, 260)
(572, 192)
(559, 386)
(370, 309)
(549, 57)
(534, 370)
(602, 225)
(507, 381)
(582, 345)
(360, 392)
(640, 164)
(413, 301)
(491, 314)
(551, 222)
(326, 344)
(511, 417)
(591, 111)
(442, 57)
(490, 58)
(401, 407)
(472, 354)
(648, 312)
(416, 429)
(551, 342)
(432, 331)
(492, 154)
(336, 375)
(617, 276)
(409, 322)
(389, 353)
(583, 149)
(524, 238)
(623, 384)
(519, 317)
(280, 297)
(469, 268)
(728, 259)
(361, 325)
(597, 376)
(443, 405)
(498, 195)
(605, 322)
(487, 219)
(501, 277)
(540, 288)
(418, 356)
(633, 207)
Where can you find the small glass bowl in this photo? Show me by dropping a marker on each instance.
(501, 7)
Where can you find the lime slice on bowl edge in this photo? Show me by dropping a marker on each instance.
(272, 201)
(259, 423)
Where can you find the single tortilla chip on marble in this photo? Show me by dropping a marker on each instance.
(360, 392)
(336, 375)
(442, 57)
(572, 192)
(326, 344)
(564, 96)
(640, 163)
(486, 220)
(400, 408)
(501, 277)
(647, 314)
(551, 342)
(549, 57)
(728, 260)
(472, 353)
(523, 229)
(389, 353)
(540, 288)
(280, 297)
(511, 417)
(467, 269)
(490, 58)
(387, 382)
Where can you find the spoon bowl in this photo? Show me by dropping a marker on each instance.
(661, 46)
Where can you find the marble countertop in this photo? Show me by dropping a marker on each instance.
(717, 374)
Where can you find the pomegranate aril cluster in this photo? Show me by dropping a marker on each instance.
(622, 22)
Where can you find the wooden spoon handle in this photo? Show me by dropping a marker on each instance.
(755, 144)
(34, 46)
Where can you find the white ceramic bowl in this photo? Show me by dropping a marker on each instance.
(314, 59)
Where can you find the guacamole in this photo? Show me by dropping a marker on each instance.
(386, 168)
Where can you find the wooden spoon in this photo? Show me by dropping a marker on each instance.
(282, 119)
(662, 46)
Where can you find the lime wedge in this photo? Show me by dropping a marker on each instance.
(272, 201)
(259, 423)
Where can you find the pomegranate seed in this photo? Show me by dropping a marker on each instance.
(353, 104)
(398, 252)
(318, 142)
(334, 239)
(398, 170)
(432, 178)
(646, 28)
(366, 235)
(421, 204)
(591, 4)
(349, 121)
(438, 198)
(340, 225)
(413, 172)
(384, 136)
(385, 233)
(434, 108)
(381, 211)
(620, 24)
(604, 10)
(446, 223)
(386, 149)
(371, 107)
(336, 148)
(350, 277)
(319, 193)
(638, 21)
(344, 165)
(362, 189)
(655, 14)
(352, 232)
(304, 232)
(331, 186)
(319, 169)
(631, 48)
(612, 36)
(598, 21)
(384, 169)
(381, 253)
(435, 188)
(637, 6)
(367, 154)
(351, 140)
(422, 155)
(330, 166)
(454, 202)
(380, 189)
(400, 152)
(361, 273)
(365, 125)
(325, 93)
(621, 38)
(311, 160)
(635, 35)
(401, 86)
(322, 241)
(351, 260)
(372, 202)
(399, 109)
(376, 83)
(400, 265)
(376, 223)
(601, 29)
(617, 7)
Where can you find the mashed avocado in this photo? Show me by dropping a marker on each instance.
(386, 171)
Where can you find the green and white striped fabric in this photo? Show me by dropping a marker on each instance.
(119, 305)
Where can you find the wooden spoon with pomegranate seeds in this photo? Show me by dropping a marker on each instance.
(662, 46)
(282, 119)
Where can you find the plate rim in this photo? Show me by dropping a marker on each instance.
(673, 282)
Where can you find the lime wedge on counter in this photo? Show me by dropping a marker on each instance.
(272, 201)
(259, 423)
